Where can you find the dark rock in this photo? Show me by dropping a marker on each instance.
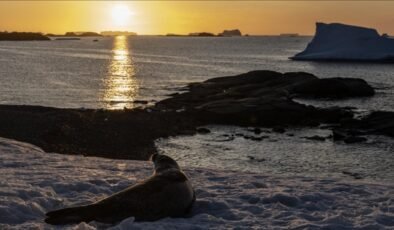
(379, 122)
(239, 134)
(258, 98)
(116, 134)
(230, 33)
(22, 36)
(203, 131)
(82, 34)
(254, 98)
(333, 88)
(140, 102)
(354, 139)
(201, 34)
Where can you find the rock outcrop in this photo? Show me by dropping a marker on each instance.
(22, 36)
(257, 98)
(377, 122)
(265, 98)
(230, 33)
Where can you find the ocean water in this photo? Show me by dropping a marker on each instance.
(114, 73)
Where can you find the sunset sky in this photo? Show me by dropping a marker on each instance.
(161, 17)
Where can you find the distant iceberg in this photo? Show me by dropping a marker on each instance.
(340, 42)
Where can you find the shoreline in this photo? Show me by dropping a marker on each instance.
(254, 99)
(225, 199)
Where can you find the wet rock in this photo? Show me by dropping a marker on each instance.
(255, 98)
(378, 122)
(140, 102)
(334, 88)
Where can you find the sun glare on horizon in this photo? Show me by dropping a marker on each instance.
(120, 14)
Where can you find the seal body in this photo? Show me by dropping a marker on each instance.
(167, 193)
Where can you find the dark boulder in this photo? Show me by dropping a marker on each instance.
(378, 122)
(333, 88)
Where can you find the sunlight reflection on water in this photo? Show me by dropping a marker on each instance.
(121, 87)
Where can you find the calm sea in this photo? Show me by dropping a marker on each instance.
(115, 72)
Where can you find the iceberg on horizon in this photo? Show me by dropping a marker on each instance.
(340, 42)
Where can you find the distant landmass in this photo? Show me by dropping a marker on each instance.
(225, 33)
(289, 35)
(201, 34)
(22, 36)
(68, 38)
(82, 34)
(340, 42)
(118, 33)
(75, 34)
(230, 33)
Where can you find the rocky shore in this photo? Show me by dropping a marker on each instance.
(254, 99)
(22, 36)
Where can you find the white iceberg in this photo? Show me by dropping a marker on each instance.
(34, 182)
(340, 42)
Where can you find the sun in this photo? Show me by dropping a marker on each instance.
(120, 14)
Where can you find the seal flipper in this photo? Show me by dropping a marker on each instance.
(70, 215)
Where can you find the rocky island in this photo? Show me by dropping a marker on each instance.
(340, 42)
(254, 99)
(22, 36)
(231, 33)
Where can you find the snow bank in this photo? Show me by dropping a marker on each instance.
(34, 182)
(337, 41)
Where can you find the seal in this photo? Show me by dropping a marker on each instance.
(167, 193)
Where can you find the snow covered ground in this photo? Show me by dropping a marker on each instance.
(34, 182)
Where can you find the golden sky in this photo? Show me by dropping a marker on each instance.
(161, 17)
